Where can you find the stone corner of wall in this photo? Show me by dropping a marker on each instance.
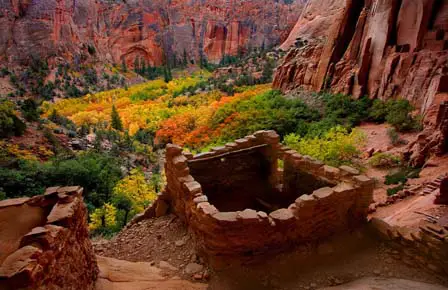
(41, 250)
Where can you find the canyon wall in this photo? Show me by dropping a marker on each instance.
(141, 28)
(383, 49)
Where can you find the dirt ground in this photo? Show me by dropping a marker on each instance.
(345, 259)
(357, 258)
(163, 242)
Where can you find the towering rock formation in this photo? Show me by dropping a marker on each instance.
(141, 28)
(380, 48)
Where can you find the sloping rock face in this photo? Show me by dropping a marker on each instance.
(148, 29)
(383, 49)
(44, 242)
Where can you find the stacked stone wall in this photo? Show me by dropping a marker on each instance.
(425, 246)
(311, 217)
(56, 253)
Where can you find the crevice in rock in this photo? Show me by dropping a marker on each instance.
(435, 10)
(353, 13)
(393, 29)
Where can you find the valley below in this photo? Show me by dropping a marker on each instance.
(224, 145)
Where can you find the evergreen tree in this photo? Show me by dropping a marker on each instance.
(124, 67)
(142, 70)
(167, 76)
(185, 61)
(137, 65)
(116, 121)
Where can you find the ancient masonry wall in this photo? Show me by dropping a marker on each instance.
(426, 246)
(319, 214)
(45, 243)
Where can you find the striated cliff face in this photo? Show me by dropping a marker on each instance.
(383, 49)
(141, 28)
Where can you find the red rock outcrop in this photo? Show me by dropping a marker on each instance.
(383, 49)
(44, 242)
(147, 29)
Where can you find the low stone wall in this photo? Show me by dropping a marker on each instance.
(310, 217)
(425, 247)
(49, 246)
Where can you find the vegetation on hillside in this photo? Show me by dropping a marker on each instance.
(128, 127)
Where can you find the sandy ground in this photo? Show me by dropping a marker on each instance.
(123, 275)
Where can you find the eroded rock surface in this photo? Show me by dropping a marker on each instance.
(145, 29)
(383, 49)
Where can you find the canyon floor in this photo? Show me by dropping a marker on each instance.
(163, 250)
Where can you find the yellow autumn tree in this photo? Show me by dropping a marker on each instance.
(135, 188)
(104, 216)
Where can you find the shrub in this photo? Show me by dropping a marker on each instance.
(58, 119)
(30, 110)
(402, 175)
(399, 115)
(384, 160)
(395, 190)
(378, 112)
(394, 137)
(345, 110)
(335, 147)
(10, 124)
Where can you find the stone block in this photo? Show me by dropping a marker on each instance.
(331, 172)
(348, 170)
(262, 215)
(290, 153)
(252, 139)
(199, 199)
(193, 187)
(322, 193)
(185, 179)
(24, 260)
(282, 214)
(61, 212)
(51, 190)
(180, 162)
(343, 188)
(225, 217)
(247, 215)
(207, 208)
(43, 236)
(243, 143)
(203, 155)
(70, 189)
(14, 202)
(173, 150)
(231, 146)
(219, 150)
(188, 155)
(363, 180)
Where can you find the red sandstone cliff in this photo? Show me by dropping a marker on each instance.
(383, 49)
(144, 28)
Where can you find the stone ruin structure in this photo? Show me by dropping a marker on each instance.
(238, 202)
(44, 242)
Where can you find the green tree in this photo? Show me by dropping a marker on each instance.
(116, 120)
(167, 76)
(124, 67)
(10, 124)
(185, 58)
(137, 65)
(123, 202)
